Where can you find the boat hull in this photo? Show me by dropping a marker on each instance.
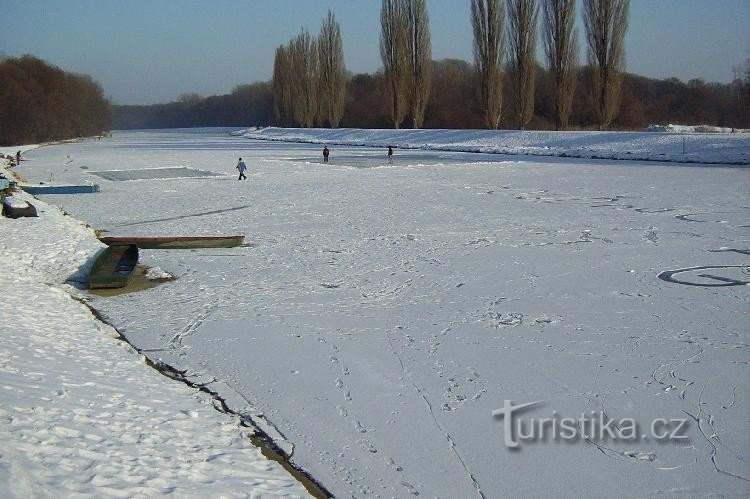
(176, 242)
(60, 189)
(114, 267)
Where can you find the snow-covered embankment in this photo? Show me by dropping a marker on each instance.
(681, 147)
(80, 411)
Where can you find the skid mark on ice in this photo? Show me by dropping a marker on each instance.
(731, 250)
(192, 326)
(627, 455)
(705, 422)
(734, 394)
(348, 411)
(183, 217)
(651, 235)
(450, 440)
(707, 216)
(431, 412)
(713, 280)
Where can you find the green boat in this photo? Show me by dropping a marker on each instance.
(175, 242)
(114, 267)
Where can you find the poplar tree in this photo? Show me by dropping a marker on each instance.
(393, 52)
(419, 52)
(304, 72)
(606, 22)
(561, 48)
(282, 91)
(487, 20)
(522, 16)
(332, 72)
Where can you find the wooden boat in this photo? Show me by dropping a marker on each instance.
(16, 208)
(175, 242)
(114, 267)
(60, 189)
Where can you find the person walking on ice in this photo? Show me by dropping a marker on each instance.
(390, 155)
(241, 166)
(326, 152)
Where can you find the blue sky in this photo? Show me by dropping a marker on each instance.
(147, 51)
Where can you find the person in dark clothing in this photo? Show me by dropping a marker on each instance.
(390, 154)
(241, 167)
(326, 152)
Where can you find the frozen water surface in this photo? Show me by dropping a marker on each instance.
(152, 173)
(378, 313)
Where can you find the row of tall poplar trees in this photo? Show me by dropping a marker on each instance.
(309, 78)
(406, 52)
(309, 75)
(605, 23)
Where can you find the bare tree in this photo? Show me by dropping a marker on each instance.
(420, 58)
(522, 17)
(561, 48)
(487, 19)
(304, 63)
(393, 52)
(606, 22)
(282, 87)
(332, 72)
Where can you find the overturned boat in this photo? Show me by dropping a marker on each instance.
(17, 208)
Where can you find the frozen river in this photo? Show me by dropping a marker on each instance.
(377, 315)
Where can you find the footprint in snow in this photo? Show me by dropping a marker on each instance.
(361, 429)
(367, 445)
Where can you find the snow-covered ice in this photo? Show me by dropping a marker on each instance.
(378, 314)
(81, 414)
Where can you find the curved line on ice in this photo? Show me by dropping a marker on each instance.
(181, 217)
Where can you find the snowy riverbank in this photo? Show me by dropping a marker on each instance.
(81, 413)
(679, 146)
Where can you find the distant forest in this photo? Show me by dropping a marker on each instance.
(453, 103)
(41, 103)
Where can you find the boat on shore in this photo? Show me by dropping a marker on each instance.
(175, 242)
(114, 267)
(60, 189)
(17, 208)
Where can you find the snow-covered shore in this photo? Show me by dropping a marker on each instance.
(680, 146)
(81, 413)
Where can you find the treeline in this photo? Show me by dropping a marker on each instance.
(454, 103)
(505, 87)
(40, 103)
(246, 105)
